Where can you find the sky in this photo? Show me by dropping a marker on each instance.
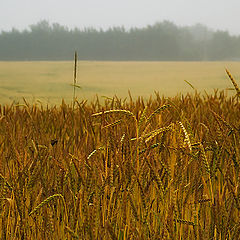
(216, 14)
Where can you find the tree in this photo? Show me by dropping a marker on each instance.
(161, 41)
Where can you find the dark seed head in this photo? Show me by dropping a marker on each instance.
(54, 141)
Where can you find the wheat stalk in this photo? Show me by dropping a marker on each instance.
(157, 111)
(233, 82)
(120, 111)
(6, 182)
(156, 132)
(187, 138)
(74, 78)
(46, 201)
(186, 222)
(112, 124)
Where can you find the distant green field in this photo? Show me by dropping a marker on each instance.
(50, 82)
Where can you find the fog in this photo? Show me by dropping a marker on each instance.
(216, 14)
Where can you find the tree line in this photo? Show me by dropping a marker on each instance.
(163, 41)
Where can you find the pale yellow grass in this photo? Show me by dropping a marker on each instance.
(49, 82)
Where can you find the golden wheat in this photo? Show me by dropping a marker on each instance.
(134, 172)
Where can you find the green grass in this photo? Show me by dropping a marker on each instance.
(49, 82)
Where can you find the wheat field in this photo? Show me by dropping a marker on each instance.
(50, 82)
(156, 168)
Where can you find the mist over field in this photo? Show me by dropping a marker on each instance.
(216, 14)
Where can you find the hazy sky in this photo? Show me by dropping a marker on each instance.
(216, 14)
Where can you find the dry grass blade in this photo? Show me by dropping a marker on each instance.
(73, 234)
(76, 86)
(190, 84)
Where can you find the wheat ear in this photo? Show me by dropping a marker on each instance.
(187, 138)
(46, 201)
(233, 82)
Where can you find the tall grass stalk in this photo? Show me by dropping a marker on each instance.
(74, 78)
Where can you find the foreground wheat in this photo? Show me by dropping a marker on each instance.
(121, 170)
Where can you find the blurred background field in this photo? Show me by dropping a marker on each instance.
(50, 82)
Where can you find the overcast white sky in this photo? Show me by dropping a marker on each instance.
(216, 14)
